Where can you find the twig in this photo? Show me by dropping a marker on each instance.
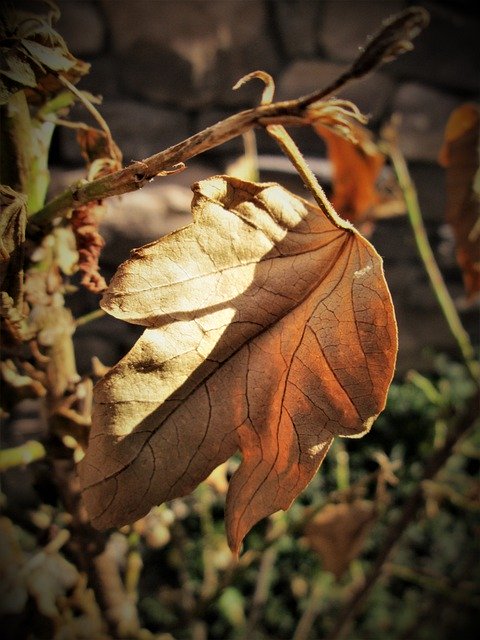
(398, 527)
(90, 108)
(260, 596)
(293, 153)
(89, 317)
(392, 40)
(314, 606)
(425, 250)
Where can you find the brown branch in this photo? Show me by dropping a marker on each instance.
(398, 527)
(392, 39)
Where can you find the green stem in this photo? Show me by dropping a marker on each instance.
(22, 455)
(425, 250)
(89, 317)
(342, 470)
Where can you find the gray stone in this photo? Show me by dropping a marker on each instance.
(81, 26)
(187, 53)
(139, 130)
(424, 113)
(345, 25)
(297, 25)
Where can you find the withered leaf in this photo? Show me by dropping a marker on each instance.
(34, 55)
(102, 157)
(270, 331)
(357, 164)
(460, 156)
(13, 219)
(338, 531)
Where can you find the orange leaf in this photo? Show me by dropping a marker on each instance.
(460, 157)
(270, 331)
(356, 164)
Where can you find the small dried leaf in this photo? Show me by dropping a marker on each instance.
(271, 330)
(357, 163)
(96, 145)
(13, 219)
(460, 157)
(85, 221)
(65, 252)
(102, 157)
(36, 57)
(338, 531)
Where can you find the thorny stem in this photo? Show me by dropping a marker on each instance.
(398, 527)
(425, 250)
(392, 39)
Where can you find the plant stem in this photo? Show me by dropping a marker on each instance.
(22, 455)
(398, 527)
(392, 39)
(316, 601)
(89, 317)
(260, 597)
(425, 250)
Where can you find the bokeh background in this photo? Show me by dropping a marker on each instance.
(165, 70)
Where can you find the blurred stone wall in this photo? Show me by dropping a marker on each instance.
(165, 69)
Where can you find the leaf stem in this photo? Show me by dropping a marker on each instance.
(426, 253)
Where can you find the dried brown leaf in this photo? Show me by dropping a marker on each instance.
(270, 331)
(460, 156)
(357, 163)
(35, 54)
(85, 221)
(13, 219)
(102, 157)
(338, 531)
